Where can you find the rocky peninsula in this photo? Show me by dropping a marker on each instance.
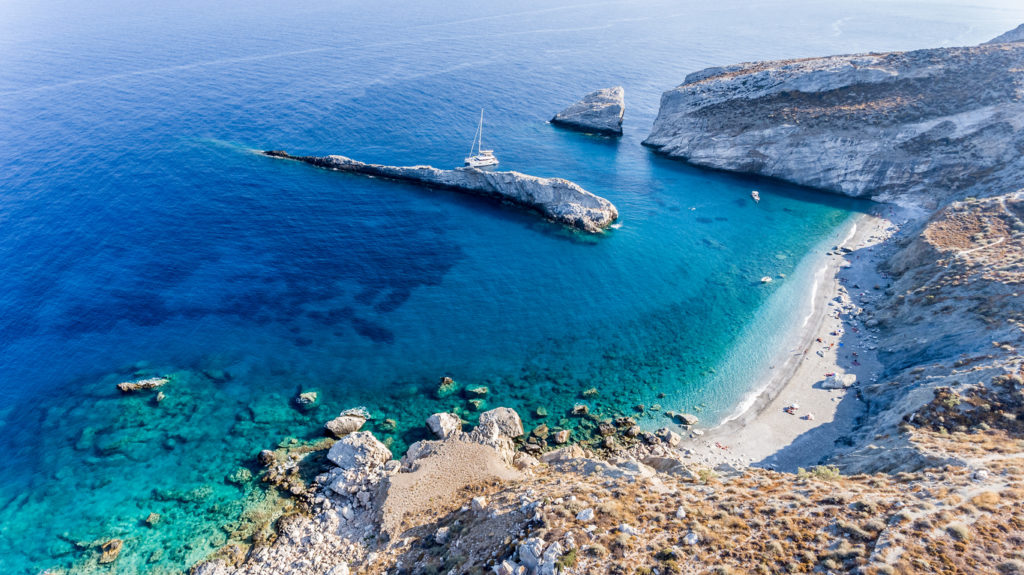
(598, 112)
(557, 199)
(918, 127)
(920, 326)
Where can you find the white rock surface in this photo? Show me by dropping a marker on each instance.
(444, 425)
(599, 111)
(359, 450)
(839, 381)
(505, 419)
(916, 126)
(344, 424)
(557, 199)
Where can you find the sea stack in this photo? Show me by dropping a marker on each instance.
(557, 199)
(598, 112)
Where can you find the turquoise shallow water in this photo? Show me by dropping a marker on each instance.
(140, 235)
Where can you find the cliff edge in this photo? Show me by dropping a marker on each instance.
(915, 127)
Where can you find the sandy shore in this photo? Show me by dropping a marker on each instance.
(830, 340)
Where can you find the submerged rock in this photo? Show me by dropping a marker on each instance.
(599, 112)
(111, 549)
(307, 400)
(557, 199)
(446, 387)
(142, 384)
(480, 391)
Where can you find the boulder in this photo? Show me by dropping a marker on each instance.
(349, 421)
(444, 425)
(687, 419)
(549, 561)
(839, 381)
(599, 112)
(669, 437)
(562, 436)
(359, 449)
(506, 421)
(530, 553)
(563, 454)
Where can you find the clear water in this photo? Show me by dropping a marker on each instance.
(140, 235)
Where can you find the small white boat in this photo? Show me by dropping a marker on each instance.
(482, 158)
(756, 196)
(766, 279)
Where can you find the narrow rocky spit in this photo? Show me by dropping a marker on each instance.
(598, 112)
(557, 199)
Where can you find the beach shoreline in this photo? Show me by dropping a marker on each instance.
(759, 432)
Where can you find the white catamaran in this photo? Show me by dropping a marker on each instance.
(482, 158)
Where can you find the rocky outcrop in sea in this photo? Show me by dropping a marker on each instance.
(555, 198)
(598, 112)
(915, 127)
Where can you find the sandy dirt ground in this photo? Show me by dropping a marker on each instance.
(832, 341)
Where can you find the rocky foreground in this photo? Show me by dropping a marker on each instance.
(557, 199)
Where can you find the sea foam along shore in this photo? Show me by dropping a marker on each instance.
(760, 432)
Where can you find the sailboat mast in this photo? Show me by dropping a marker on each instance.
(473, 145)
(480, 147)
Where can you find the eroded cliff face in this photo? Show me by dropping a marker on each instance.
(909, 127)
(952, 319)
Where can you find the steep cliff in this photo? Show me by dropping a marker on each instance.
(911, 127)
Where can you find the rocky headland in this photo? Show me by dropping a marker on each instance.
(926, 475)
(557, 199)
(598, 112)
(917, 128)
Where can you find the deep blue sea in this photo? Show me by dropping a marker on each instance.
(141, 235)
